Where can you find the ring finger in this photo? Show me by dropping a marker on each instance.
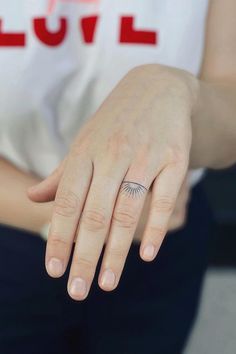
(130, 202)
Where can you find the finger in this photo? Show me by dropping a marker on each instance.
(68, 205)
(92, 231)
(125, 219)
(45, 191)
(143, 219)
(164, 194)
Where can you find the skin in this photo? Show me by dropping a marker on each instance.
(31, 216)
(16, 209)
(156, 123)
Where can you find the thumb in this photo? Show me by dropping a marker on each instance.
(45, 190)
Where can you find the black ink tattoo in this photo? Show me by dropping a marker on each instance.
(133, 189)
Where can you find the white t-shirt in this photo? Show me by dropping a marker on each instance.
(59, 59)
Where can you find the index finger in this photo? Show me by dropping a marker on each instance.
(68, 205)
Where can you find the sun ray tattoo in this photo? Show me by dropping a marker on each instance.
(133, 189)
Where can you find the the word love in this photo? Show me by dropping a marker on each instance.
(87, 28)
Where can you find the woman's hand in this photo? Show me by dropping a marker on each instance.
(139, 140)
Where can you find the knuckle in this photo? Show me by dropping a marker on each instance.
(55, 242)
(178, 155)
(157, 231)
(94, 220)
(125, 219)
(164, 204)
(84, 261)
(117, 253)
(67, 204)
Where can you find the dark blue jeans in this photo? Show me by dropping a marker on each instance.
(152, 311)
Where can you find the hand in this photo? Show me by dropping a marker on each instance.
(139, 140)
(178, 218)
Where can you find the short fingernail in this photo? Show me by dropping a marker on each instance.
(78, 287)
(55, 267)
(149, 252)
(108, 279)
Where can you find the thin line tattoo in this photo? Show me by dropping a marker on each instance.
(133, 189)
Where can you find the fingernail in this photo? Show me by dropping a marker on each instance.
(108, 279)
(55, 267)
(78, 287)
(149, 252)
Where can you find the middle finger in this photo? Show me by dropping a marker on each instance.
(93, 228)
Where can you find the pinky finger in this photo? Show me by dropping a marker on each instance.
(165, 191)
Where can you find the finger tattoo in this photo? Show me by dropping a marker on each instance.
(133, 189)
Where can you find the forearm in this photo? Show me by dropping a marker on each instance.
(16, 209)
(214, 126)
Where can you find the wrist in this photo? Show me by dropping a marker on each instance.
(180, 83)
